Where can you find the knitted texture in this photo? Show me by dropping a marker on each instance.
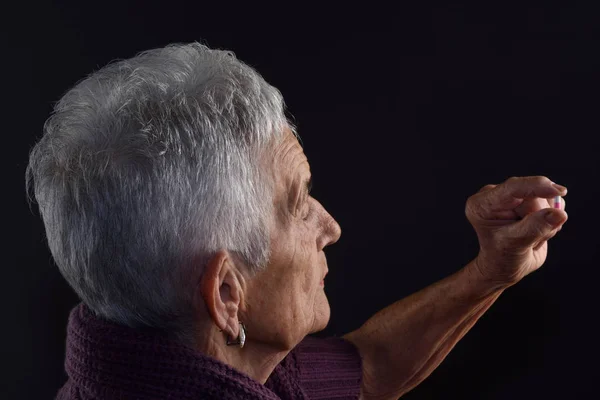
(329, 368)
(108, 361)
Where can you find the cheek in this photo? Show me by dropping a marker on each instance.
(291, 310)
(289, 301)
(287, 291)
(304, 302)
(307, 265)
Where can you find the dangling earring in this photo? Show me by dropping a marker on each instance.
(241, 339)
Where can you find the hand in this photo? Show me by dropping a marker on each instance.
(513, 222)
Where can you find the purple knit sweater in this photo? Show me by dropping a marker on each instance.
(108, 361)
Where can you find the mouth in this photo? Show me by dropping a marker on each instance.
(323, 280)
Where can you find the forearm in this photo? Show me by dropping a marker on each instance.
(403, 343)
(444, 348)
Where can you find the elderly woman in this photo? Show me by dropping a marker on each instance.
(175, 197)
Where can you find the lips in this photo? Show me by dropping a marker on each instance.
(326, 272)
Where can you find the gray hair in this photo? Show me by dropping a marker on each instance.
(146, 168)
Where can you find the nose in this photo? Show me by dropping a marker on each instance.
(335, 231)
(331, 231)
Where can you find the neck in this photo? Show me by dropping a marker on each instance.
(256, 360)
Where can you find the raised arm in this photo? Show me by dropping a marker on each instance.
(402, 344)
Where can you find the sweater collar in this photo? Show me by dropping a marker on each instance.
(114, 361)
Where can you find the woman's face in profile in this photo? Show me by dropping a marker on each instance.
(286, 301)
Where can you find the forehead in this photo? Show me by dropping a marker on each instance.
(289, 156)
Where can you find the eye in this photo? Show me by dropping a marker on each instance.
(306, 210)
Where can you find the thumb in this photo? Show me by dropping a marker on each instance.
(537, 227)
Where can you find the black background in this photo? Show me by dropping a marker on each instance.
(404, 113)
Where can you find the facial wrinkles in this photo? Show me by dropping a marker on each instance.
(293, 193)
(302, 248)
(284, 158)
(291, 171)
(294, 163)
(303, 196)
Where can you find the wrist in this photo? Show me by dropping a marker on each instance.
(481, 280)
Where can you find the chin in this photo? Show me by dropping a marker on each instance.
(322, 314)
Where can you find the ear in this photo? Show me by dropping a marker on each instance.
(221, 290)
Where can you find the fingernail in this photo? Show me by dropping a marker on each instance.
(559, 187)
(553, 218)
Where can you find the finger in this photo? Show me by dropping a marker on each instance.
(536, 227)
(486, 188)
(533, 186)
(514, 190)
(529, 206)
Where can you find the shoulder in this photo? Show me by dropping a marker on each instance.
(325, 366)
